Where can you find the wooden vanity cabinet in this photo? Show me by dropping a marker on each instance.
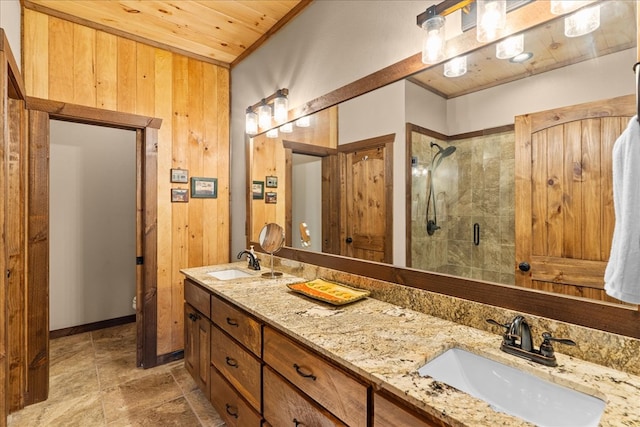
(331, 387)
(197, 330)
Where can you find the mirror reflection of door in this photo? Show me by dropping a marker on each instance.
(564, 196)
(306, 199)
(365, 222)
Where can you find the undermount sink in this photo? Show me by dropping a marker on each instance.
(229, 274)
(514, 392)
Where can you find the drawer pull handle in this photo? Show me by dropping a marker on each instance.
(232, 322)
(192, 317)
(232, 362)
(297, 423)
(302, 374)
(231, 411)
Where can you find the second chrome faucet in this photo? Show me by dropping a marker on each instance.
(517, 340)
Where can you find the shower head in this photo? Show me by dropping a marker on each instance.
(442, 152)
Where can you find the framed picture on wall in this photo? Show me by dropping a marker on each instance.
(180, 175)
(271, 182)
(257, 190)
(204, 188)
(271, 197)
(179, 195)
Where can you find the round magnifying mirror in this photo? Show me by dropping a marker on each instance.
(271, 240)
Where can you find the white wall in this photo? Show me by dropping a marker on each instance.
(10, 22)
(92, 223)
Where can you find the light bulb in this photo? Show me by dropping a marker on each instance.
(510, 47)
(434, 42)
(582, 22)
(251, 122)
(491, 19)
(456, 67)
(264, 115)
(280, 108)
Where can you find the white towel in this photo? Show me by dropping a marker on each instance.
(622, 276)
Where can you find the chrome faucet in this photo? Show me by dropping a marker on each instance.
(517, 341)
(254, 263)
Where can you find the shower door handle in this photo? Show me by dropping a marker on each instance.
(476, 234)
(349, 240)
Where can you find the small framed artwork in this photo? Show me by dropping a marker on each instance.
(271, 182)
(257, 190)
(271, 197)
(204, 188)
(180, 175)
(179, 195)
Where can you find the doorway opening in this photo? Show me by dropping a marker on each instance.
(92, 225)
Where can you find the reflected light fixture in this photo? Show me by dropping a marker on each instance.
(456, 67)
(523, 57)
(560, 7)
(258, 116)
(491, 19)
(582, 22)
(303, 122)
(251, 122)
(286, 128)
(510, 47)
(272, 133)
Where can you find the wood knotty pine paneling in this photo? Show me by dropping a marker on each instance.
(68, 62)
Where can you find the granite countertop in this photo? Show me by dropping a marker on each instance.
(386, 344)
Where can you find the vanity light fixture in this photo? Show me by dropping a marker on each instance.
(491, 19)
(510, 47)
(456, 67)
(432, 21)
(280, 107)
(523, 57)
(259, 114)
(582, 22)
(264, 115)
(251, 122)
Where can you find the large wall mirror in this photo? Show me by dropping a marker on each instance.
(452, 144)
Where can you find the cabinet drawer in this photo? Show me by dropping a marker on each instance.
(231, 407)
(197, 297)
(237, 365)
(336, 391)
(286, 406)
(388, 414)
(236, 323)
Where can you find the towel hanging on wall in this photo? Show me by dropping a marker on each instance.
(622, 275)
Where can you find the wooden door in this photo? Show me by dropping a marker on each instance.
(366, 206)
(564, 199)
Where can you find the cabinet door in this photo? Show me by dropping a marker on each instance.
(197, 347)
(387, 414)
(286, 406)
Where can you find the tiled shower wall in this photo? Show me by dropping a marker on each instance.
(473, 185)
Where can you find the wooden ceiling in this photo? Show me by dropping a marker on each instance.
(219, 31)
(551, 49)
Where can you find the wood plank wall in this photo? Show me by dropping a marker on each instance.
(68, 62)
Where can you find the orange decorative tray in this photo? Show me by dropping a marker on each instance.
(330, 292)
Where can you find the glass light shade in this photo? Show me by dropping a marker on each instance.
(272, 133)
(491, 19)
(510, 47)
(264, 116)
(456, 67)
(251, 122)
(433, 48)
(560, 7)
(286, 128)
(582, 22)
(280, 108)
(303, 122)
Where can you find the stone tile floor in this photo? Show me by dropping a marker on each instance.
(94, 382)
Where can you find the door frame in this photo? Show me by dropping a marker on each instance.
(146, 129)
